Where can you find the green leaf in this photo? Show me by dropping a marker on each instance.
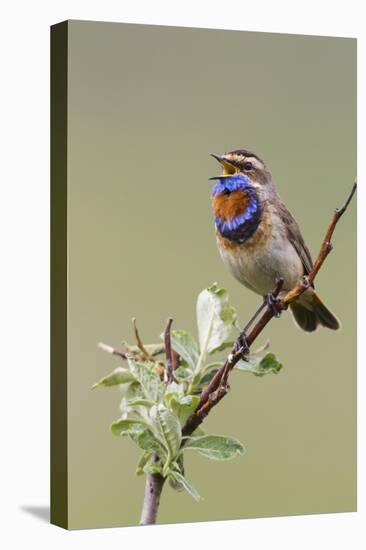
(148, 441)
(152, 387)
(118, 376)
(140, 402)
(260, 366)
(124, 426)
(187, 347)
(194, 385)
(132, 391)
(184, 406)
(141, 463)
(179, 478)
(215, 318)
(173, 390)
(176, 485)
(152, 467)
(168, 427)
(198, 432)
(203, 381)
(216, 447)
(129, 393)
(142, 434)
(204, 378)
(178, 466)
(183, 374)
(225, 345)
(212, 366)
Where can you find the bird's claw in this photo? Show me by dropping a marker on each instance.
(273, 303)
(241, 345)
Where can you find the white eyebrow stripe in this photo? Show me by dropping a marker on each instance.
(256, 163)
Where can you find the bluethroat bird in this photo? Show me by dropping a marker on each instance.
(258, 239)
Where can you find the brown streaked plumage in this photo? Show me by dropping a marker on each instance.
(276, 248)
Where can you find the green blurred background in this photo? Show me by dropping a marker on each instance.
(147, 104)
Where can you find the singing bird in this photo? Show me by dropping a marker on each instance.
(258, 238)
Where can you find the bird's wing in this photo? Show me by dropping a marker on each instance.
(296, 239)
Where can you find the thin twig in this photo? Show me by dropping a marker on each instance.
(120, 353)
(175, 360)
(260, 350)
(168, 375)
(325, 249)
(140, 344)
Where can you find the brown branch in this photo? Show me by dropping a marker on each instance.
(168, 375)
(124, 354)
(218, 386)
(325, 249)
(140, 344)
(153, 488)
(175, 360)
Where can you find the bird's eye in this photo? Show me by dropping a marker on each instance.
(226, 192)
(248, 165)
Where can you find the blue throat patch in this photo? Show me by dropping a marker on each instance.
(232, 183)
(241, 227)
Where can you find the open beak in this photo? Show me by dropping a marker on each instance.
(228, 168)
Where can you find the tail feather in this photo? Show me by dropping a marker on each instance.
(306, 319)
(313, 314)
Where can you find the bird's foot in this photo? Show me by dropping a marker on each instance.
(241, 345)
(274, 304)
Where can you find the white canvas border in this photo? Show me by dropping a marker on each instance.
(24, 276)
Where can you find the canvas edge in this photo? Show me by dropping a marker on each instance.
(58, 254)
